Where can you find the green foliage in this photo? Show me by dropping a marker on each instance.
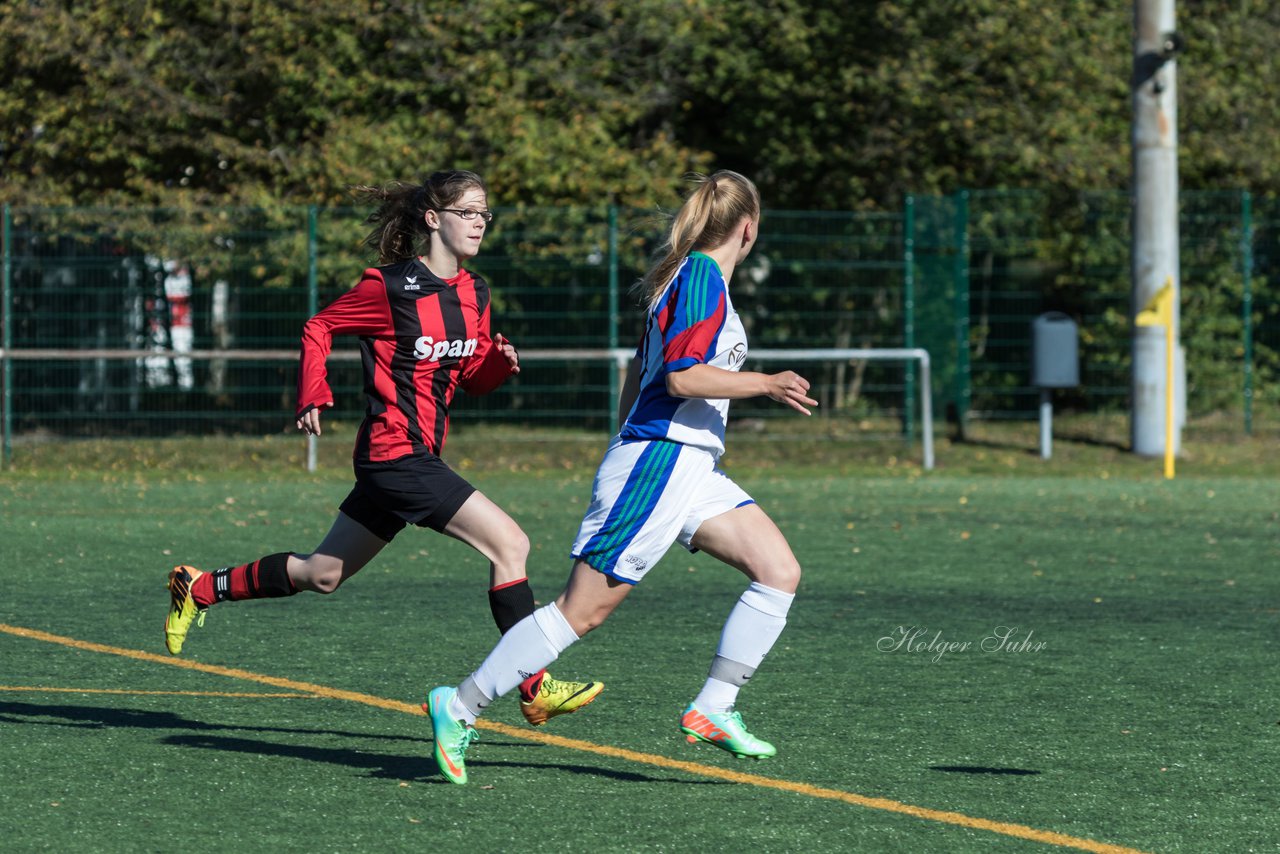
(598, 101)
(271, 103)
(220, 122)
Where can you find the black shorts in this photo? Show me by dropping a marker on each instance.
(412, 490)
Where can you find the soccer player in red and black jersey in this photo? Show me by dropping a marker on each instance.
(423, 325)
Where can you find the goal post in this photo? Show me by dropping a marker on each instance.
(619, 357)
(892, 354)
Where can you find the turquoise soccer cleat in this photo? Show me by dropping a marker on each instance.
(726, 731)
(451, 735)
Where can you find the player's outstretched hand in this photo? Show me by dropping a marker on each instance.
(309, 422)
(508, 350)
(791, 389)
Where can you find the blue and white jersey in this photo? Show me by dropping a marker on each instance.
(692, 322)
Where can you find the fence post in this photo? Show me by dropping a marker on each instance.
(909, 311)
(313, 303)
(6, 337)
(963, 388)
(614, 390)
(1246, 302)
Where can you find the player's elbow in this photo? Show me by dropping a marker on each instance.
(678, 384)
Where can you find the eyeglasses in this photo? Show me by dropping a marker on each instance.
(487, 216)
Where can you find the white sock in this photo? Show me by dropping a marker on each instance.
(528, 647)
(753, 627)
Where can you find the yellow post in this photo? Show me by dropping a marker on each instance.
(1159, 312)
(1168, 399)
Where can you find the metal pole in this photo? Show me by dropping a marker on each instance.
(6, 306)
(313, 305)
(926, 408)
(615, 383)
(909, 310)
(1154, 254)
(1246, 303)
(964, 386)
(1046, 424)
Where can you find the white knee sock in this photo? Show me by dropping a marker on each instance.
(753, 627)
(528, 647)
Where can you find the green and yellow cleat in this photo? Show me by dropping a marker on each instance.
(726, 731)
(451, 735)
(182, 607)
(554, 697)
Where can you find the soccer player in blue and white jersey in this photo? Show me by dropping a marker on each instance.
(658, 484)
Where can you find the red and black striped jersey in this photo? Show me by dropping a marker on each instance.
(420, 338)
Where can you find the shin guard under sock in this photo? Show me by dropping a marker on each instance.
(264, 578)
(510, 603)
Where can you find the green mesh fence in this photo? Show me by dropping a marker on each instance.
(989, 262)
(939, 276)
(962, 276)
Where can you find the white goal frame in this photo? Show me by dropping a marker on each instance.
(621, 358)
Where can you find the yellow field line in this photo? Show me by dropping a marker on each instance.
(36, 689)
(1016, 830)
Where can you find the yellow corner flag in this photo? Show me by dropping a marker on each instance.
(1159, 312)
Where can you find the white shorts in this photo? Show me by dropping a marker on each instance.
(646, 496)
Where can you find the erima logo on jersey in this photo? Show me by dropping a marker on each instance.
(427, 349)
(413, 283)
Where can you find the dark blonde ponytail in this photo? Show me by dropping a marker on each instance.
(707, 218)
(400, 231)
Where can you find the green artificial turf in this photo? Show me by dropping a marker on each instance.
(1132, 704)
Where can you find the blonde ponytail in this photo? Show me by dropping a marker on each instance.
(706, 219)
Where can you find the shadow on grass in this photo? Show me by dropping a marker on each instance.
(979, 769)
(1021, 447)
(418, 768)
(994, 445)
(98, 717)
(1093, 441)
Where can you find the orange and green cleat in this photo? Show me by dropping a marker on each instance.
(726, 731)
(553, 697)
(452, 736)
(182, 607)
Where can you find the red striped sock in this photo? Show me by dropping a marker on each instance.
(202, 590)
(264, 578)
(529, 687)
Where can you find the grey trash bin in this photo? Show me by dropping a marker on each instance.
(1055, 363)
(1055, 351)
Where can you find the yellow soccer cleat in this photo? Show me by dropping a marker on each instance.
(554, 697)
(182, 607)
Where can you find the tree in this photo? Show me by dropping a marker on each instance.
(233, 102)
(828, 106)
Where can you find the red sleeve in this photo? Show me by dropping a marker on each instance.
(363, 310)
(488, 367)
